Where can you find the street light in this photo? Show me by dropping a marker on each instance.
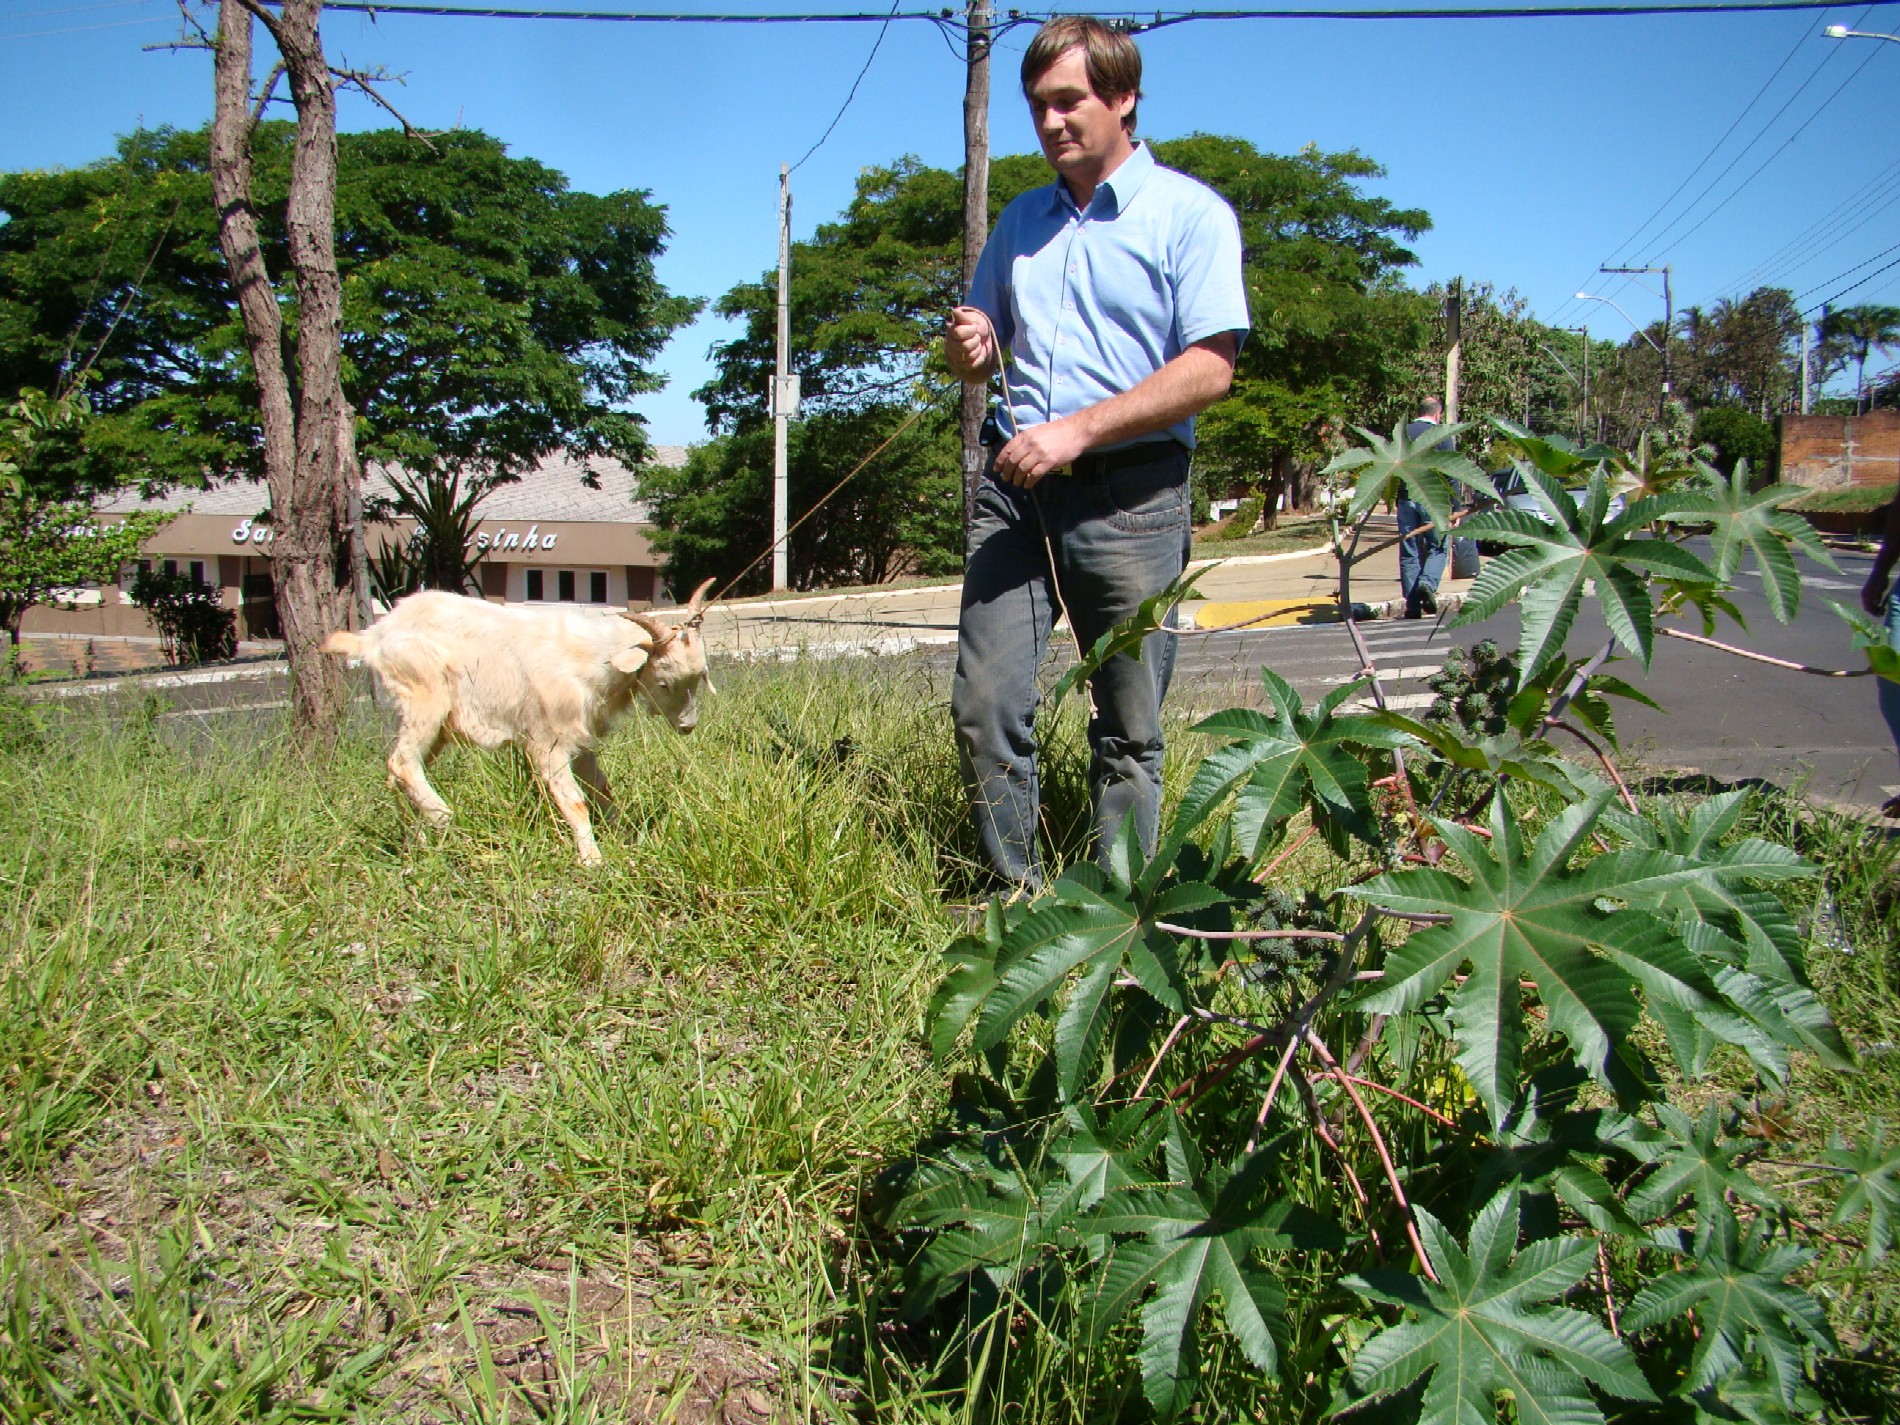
(1841, 32)
(1592, 297)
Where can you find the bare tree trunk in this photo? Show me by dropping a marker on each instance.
(309, 438)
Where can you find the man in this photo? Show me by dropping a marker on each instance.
(1112, 305)
(1883, 602)
(1421, 557)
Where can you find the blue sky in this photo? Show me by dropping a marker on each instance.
(1539, 147)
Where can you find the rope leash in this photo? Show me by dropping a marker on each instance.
(793, 528)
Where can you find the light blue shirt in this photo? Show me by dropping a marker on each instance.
(1091, 302)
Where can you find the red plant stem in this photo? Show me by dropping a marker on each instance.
(1273, 1088)
(1764, 658)
(1602, 756)
(1275, 864)
(1385, 1154)
(1248, 934)
(1343, 1077)
(1180, 1026)
(1374, 1029)
(1609, 1300)
(1325, 1135)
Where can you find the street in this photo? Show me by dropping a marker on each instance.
(1722, 716)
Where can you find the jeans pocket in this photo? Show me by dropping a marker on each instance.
(1147, 497)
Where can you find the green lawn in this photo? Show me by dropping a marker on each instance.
(307, 1113)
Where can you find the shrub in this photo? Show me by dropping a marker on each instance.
(1739, 435)
(1241, 522)
(193, 625)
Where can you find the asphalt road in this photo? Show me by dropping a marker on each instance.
(1722, 716)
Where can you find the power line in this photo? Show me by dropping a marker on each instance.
(876, 45)
(1136, 21)
(1737, 189)
(1715, 148)
(1826, 231)
(1852, 287)
(1849, 273)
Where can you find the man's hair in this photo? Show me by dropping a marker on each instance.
(1431, 406)
(1112, 62)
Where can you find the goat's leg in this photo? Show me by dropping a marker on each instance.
(557, 772)
(587, 768)
(417, 740)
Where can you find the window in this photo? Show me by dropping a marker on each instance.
(568, 586)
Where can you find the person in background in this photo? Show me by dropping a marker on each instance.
(1422, 556)
(1877, 596)
(1111, 303)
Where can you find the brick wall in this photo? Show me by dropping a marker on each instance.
(1832, 452)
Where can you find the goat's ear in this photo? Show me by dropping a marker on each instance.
(630, 660)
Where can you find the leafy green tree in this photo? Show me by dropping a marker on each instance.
(49, 544)
(1738, 435)
(491, 314)
(1333, 328)
(1859, 331)
(900, 514)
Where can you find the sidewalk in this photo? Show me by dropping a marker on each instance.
(1264, 591)
(1261, 591)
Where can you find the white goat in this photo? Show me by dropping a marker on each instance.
(550, 680)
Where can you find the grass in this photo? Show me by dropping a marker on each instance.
(1292, 533)
(1853, 499)
(307, 1113)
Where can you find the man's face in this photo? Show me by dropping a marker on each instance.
(1081, 132)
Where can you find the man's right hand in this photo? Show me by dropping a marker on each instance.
(969, 343)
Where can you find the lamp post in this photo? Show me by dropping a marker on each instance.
(1592, 297)
(1841, 32)
(1669, 320)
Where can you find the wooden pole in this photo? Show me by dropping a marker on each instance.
(976, 227)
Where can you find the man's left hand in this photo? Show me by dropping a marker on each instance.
(1039, 450)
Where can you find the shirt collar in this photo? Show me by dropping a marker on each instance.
(1121, 185)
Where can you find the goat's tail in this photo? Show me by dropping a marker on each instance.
(344, 643)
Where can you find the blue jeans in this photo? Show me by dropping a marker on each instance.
(1421, 560)
(1117, 537)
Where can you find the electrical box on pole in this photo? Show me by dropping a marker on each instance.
(784, 386)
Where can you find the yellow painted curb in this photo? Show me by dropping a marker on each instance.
(1263, 613)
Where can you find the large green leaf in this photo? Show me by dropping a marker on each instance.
(1736, 1283)
(1506, 754)
(1484, 1328)
(1131, 634)
(1870, 638)
(1753, 522)
(1279, 760)
(1527, 916)
(1872, 1186)
(1197, 1239)
(1425, 472)
(1696, 1159)
(1576, 545)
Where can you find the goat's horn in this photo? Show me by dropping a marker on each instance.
(662, 635)
(697, 603)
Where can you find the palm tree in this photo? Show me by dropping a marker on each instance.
(1860, 330)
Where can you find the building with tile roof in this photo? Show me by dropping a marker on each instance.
(568, 531)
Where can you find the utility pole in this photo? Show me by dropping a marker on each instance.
(1669, 321)
(1807, 333)
(784, 387)
(1583, 419)
(1455, 349)
(976, 227)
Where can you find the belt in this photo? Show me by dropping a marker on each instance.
(1097, 464)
